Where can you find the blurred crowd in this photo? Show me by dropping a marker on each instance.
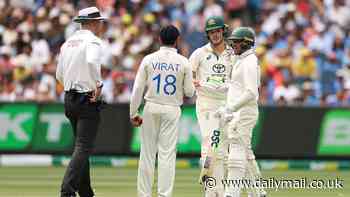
(303, 46)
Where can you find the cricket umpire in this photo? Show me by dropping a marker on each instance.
(78, 70)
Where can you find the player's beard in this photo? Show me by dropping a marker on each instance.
(237, 48)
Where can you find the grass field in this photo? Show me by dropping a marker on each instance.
(121, 182)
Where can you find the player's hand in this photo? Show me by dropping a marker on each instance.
(223, 88)
(227, 117)
(224, 114)
(136, 121)
(196, 83)
(220, 112)
(95, 95)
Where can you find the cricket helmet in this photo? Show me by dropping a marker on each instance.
(246, 34)
(214, 22)
(242, 36)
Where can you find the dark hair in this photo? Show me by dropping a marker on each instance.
(169, 34)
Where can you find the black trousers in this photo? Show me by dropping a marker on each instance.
(84, 118)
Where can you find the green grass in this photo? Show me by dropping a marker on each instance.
(115, 182)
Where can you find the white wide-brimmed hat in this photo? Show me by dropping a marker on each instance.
(90, 13)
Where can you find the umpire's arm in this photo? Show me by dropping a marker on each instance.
(59, 70)
(93, 58)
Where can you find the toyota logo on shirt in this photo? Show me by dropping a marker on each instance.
(219, 68)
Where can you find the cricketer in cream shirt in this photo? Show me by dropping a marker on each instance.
(243, 92)
(208, 66)
(167, 76)
(242, 101)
